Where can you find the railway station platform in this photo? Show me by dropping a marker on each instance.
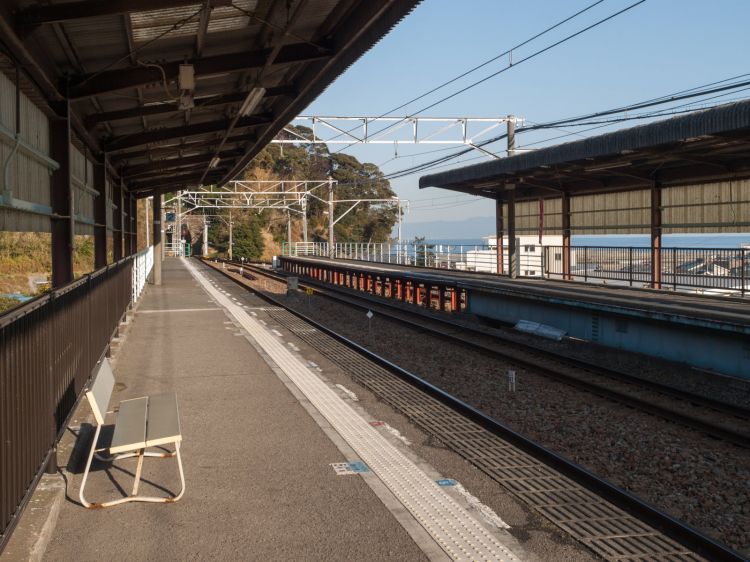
(268, 427)
(706, 332)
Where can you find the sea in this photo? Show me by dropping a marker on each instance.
(635, 240)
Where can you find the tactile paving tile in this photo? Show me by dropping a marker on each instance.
(457, 532)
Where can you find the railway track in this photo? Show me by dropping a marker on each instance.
(621, 528)
(711, 417)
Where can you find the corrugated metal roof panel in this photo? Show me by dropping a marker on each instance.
(684, 128)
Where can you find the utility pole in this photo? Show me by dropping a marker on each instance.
(304, 218)
(331, 240)
(289, 228)
(399, 231)
(230, 235)
(511, 124)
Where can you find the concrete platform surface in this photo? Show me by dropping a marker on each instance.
(259, 481)
(257, 453)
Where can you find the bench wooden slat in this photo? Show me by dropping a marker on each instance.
(163, 420)
(130, 427)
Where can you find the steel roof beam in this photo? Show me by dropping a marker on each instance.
(175, 163)
(353, 36)
(113, 80)
(170, 180)
(164, 175)
(174, 149)
(148, 137)
(38, 15)
(158, 109)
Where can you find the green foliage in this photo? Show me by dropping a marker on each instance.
(247, 236)
(7, 302)
(218, 236)
(248, 241)
(85, 248)
(367, 222)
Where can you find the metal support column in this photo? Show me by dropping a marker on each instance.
(133, 225)
(127, 222)
(158, 232)
(512, 257)
(566, 235)
(100, 215)
(656, 235)
(117, 221)
(61, 197)
(499, 235)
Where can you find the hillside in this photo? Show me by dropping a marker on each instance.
(260, 235)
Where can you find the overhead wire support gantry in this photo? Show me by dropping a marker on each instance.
(337, 130)
(291, 196)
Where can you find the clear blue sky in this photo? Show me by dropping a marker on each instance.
(659, 47)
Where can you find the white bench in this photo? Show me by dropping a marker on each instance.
(141, 423)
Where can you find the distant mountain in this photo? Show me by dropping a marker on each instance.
(473, 227)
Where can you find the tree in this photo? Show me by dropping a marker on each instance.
(367, 222)
(218, 236)
(247, 241)
(424, 255)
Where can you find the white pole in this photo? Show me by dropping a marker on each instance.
(230, 235)
(205, 237)
(148, 242)
(330, 218)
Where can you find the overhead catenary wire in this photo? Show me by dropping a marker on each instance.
(572, 122)
(481, 65)
(508, 67)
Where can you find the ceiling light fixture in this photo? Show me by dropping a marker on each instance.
(252, 100)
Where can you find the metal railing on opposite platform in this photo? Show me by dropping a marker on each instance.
(49, 347)
(480, 258)
(719, 271)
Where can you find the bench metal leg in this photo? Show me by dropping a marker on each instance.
(88, 466)
(134, 497)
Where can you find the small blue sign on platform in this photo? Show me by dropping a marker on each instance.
(445, 482)
(358, 466)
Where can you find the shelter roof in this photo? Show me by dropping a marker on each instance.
(703, 146)
(256, 65)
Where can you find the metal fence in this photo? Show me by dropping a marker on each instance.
(49, 347)
(721, 271)
(480, 258)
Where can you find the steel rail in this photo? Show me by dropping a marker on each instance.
(681, 532)
(717, 431)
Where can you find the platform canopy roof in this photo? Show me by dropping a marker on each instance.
(255, 63)
(703, 146)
